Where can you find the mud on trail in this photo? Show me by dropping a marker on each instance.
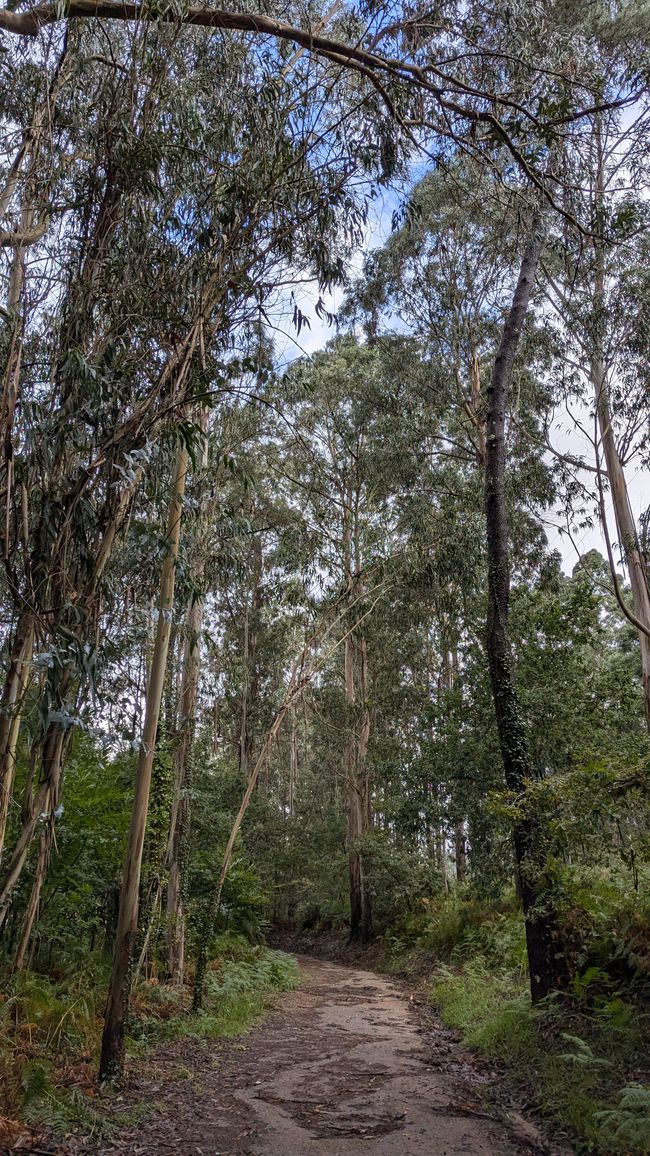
(340, 1068)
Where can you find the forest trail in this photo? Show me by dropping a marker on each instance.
(340, 1068)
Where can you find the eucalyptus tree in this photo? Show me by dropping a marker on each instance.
(547, 959)
(598, 292)
(469, 112)
(73, 493)
(127, 924)
(351, 462)
(252, 625)
(179, 823)
(223, 248)
(424, 77)
(420, 536)
(129, 202)
(455, 264)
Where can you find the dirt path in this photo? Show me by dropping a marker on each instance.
(341, 1068)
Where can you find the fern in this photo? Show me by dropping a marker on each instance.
(628, 1125)
(583, 1056)
(55, 1108)
(35, 1080)
(263, 971)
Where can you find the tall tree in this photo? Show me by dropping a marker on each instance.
(546, 955)
(112, 1056)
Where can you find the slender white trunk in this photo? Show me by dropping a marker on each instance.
(12, 702)
(626, 526)
(112, 1057)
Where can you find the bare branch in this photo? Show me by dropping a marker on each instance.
(21, 239)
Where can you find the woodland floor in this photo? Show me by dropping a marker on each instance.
(344, 1066)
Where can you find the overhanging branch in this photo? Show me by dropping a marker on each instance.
(29, 24)
(451, 96)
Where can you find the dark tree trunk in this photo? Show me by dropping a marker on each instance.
(460, 844)
(111, 915)
(358, 787)
(547, 962)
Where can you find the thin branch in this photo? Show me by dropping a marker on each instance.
(23, 239)
(610, 554)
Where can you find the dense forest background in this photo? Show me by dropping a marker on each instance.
(285, 645)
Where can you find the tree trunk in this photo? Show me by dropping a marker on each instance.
(355, 664)
(179, 827)
(626, 526)
(13, 695)
(180, 817)
(547, 962)
(47, 795)
(460, 844)
(152, 925)
(243, 714)
(112, 1054)
(293, 763)
(31, 914)
(440, 844)
(54, 745)
(250, 684)
(295, 687)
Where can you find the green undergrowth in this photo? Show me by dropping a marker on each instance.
(50, 1029)
(238, 987)
(455, 928)
(574, 1060)
(581, 1059)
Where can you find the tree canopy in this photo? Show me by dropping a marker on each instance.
(286, 643)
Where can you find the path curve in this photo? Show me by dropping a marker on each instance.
(340, 1068)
